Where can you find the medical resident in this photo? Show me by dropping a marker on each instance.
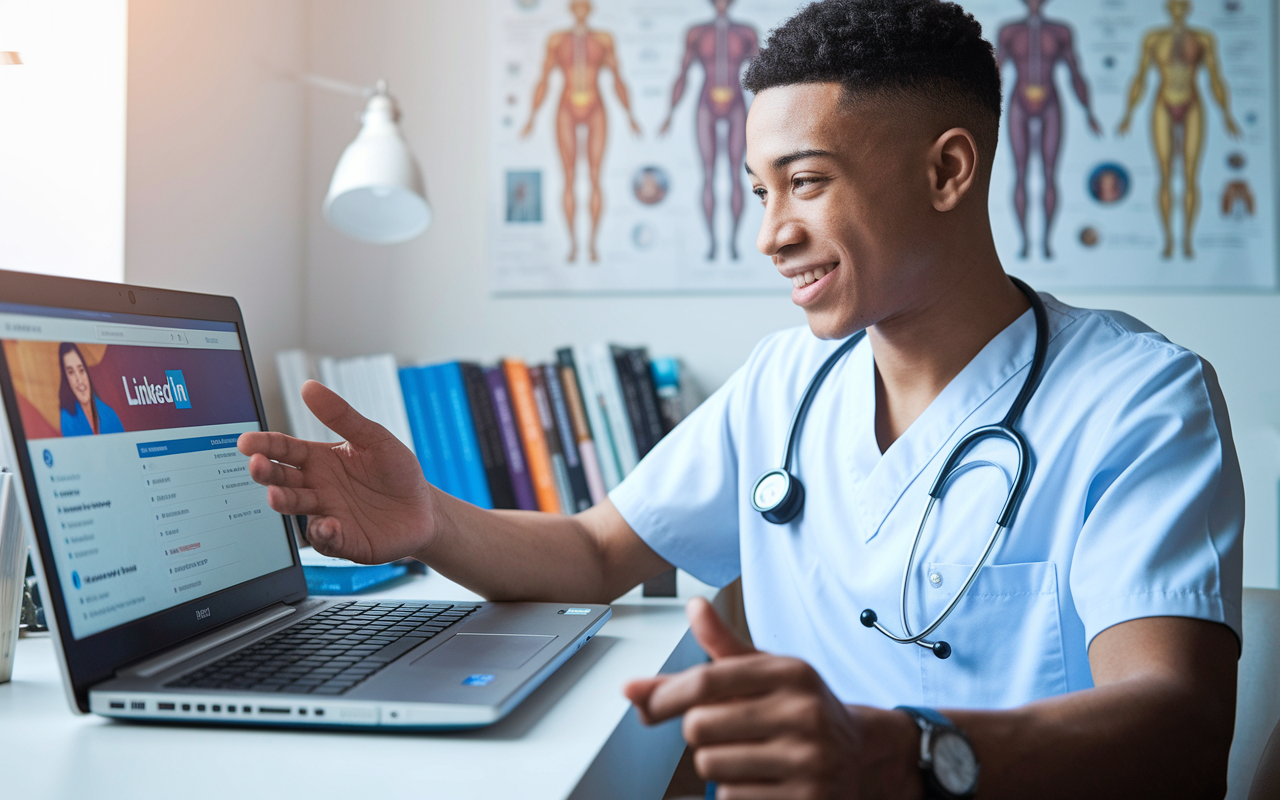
(1095, 654)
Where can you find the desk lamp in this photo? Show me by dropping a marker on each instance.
(376, 194)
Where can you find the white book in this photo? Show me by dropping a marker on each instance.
(384, 381)
(295, 368)
(13, 564)
(624, 439)
(593, 402)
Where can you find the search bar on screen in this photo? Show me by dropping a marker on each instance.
(116, 333)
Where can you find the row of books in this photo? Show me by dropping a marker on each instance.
(554, 437)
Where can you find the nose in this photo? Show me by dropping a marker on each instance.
(777, 230)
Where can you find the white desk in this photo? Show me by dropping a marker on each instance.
(576, 736)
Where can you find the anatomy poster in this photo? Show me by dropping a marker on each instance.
(1137, 143)
(616, 145)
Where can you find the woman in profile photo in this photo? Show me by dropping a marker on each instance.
(83, 413)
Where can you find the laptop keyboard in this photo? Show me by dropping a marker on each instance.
(331, 652)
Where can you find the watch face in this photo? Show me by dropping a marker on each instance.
(954, 765)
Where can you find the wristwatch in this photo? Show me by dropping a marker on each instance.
(947, 763)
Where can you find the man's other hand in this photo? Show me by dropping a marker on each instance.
(365, 498)
(764, 726)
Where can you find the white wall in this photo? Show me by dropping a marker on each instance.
(427, 299)
(62, 138)
(217, 161)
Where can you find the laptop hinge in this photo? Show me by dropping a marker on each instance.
(160, 663)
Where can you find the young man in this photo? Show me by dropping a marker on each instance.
(1094, 655)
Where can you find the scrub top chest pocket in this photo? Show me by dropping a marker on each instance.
(1011, 632)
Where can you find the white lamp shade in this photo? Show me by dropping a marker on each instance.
(377, 194)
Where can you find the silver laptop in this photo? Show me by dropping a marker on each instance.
(173, 590)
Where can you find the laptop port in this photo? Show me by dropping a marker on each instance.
(319, 712)
(138, 705)
(166, 706)
(231, 709)
(186, 706)
(117, 704)
(273, 710)
(200, 707)
(217, 708)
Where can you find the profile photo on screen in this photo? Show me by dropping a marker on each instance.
(83, 412)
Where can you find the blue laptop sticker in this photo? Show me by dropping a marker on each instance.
(478, 680)
(577, 612)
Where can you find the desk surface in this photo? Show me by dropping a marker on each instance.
(573, 736)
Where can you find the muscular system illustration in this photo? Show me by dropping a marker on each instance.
(721, 46)
(1178, 52)
(580, 54)
(1035, 46)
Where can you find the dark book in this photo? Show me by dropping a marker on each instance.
(646, 414)
(587, 447)
(521, 483)
(631, 398)
(551, 433)
(492, 453)
(568, 442)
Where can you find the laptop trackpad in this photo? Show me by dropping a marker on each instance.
(485, 651)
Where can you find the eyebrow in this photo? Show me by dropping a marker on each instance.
(782, 161)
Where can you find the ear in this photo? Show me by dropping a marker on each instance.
(953, 168)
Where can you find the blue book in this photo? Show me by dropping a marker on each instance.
(441, 420)
(419, 426)
(470, 464)
(327, 575)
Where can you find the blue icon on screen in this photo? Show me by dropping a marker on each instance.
(48, 458)
(75, 579)
(478, 680)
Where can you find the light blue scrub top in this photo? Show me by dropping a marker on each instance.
(1135, 509)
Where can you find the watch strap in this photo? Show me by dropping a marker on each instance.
(931, 721)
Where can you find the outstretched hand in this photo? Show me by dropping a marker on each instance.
(365, 498)
(768, 726)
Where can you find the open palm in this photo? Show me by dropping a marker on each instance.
(365, 498)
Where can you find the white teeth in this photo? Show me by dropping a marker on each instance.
(811, 276)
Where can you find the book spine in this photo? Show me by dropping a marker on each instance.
(568, 439)
(489, 437)
(559, 469)
(594, 407)
(535, 445)
(469, 462)
(386, 385)
(438, 410)
(581, 427)
(517, 467)
(666, 382)
(419, 425)
(630, 399)
(607, 383)
(650, 415)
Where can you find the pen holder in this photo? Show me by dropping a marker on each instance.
(13, 562)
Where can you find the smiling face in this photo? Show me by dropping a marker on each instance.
(77, 377)
(846, 194)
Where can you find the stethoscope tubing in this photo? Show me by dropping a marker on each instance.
(1005, 429)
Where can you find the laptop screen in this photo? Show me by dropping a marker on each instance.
(130, 424)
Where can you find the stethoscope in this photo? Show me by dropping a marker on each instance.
(778, 495)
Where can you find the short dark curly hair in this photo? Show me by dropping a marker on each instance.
(928, 50)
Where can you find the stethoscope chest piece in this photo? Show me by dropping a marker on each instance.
(778, 496)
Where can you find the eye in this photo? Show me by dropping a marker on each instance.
(759, 192)
(801, 182)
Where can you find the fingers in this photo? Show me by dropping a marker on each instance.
(754, 719)
(270, 473)
(339, 417)
(735, 677)
(275, 446)
(288, 500)
(711, 632)
(752, 761)
(638, 692)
